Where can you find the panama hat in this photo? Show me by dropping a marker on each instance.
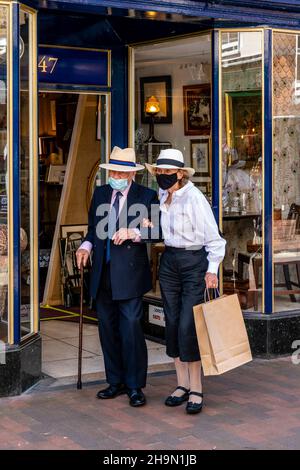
(122, 160)
(170, 159)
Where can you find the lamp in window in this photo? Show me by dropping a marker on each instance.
(152, 108)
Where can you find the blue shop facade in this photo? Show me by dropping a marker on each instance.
(219, 80)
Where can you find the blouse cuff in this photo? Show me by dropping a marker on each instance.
(213, 267)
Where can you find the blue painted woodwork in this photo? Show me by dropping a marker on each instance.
(215, 125)
(268, 175)
(273, 12)
(69, 66)
(16, 172)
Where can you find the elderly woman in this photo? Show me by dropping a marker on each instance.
(189, 264)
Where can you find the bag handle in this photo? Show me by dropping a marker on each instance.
(207, 295)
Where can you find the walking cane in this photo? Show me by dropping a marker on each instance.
(79, 383)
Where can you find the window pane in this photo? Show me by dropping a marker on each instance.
(25, 174)
(286, 158)
(242, 167)
(3, 178)
(174, 75)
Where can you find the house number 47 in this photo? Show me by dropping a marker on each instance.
(47, 64)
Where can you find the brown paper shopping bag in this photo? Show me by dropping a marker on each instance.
(222, 335)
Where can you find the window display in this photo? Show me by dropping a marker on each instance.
(241, 166)
(286, 168)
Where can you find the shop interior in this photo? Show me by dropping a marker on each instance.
(72, 142)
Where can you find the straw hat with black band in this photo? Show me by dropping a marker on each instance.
(169, 159)
(122, 160)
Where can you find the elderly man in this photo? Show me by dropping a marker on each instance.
(120, 273)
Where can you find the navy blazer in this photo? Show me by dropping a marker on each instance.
(129, 263)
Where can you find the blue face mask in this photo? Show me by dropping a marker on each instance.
(118, 184)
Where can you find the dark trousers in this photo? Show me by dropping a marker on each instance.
(181, 277)
(121, 336)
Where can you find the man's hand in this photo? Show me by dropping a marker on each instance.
(211, 281)
(82, 257)
(123, 234)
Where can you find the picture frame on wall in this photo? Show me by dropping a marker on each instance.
(98, 119)
(203, 186)
(200, 156)
(243, 111)
(197, 109)
(56, 174)
(73, 231)
(160, 87)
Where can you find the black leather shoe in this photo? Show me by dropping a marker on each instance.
(112, 391)
(136, 397)
(176, 401)
(193, 408)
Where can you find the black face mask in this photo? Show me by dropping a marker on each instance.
(166, 181)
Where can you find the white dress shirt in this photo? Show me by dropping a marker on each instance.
(88, 245)
(188, 222)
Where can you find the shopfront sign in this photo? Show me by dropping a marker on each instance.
(156, 315)
(73, 66)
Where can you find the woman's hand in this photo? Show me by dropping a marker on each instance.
(211, 281)
(147, 223)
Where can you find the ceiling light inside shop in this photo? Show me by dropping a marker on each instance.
(151, 14)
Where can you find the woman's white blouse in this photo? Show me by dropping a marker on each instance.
(188, 222)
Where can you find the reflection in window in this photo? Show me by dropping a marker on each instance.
(25, 175)
(3, 178)
(230, 44)
(242, 168)
(286, 168)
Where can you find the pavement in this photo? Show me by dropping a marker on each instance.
(256, 406)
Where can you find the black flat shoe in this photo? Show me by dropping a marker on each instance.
(136, 397)
(112, 391)
(193, 408)
(176, 401)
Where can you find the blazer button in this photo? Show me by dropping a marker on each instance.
(131, 264)
(128, 247)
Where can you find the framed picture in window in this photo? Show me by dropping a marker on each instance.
(98, 119)
(204, 187)
(197, 109)
(161, 88)
(56, 174)
(73, 231)
(200, 156)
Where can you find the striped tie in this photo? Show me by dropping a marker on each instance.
(112, 223)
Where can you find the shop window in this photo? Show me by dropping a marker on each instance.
(28, 179)
(175, 77)
(3, 178)
(286, 170)
(241, 166)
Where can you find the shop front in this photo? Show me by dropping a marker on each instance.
(220, 82)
